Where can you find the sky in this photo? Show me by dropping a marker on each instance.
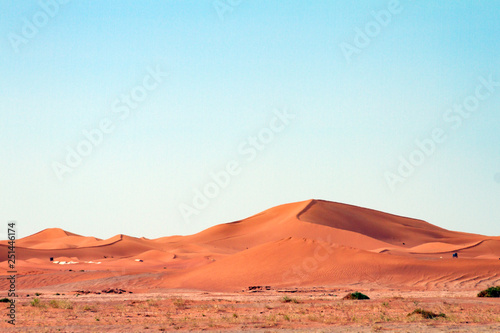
(158, 118)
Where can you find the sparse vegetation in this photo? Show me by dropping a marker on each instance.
(61, 304)
(5, 300)
(490, 292)
(38, 294)
(356, 295)
(152, 302)
(36, 302)
(89, 308)
(268, 312)
(287, 299)
(427, 314)
(66, 305)
(180, 303)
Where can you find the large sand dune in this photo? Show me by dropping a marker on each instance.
(311, 243)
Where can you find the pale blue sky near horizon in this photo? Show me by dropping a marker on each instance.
(223, 80)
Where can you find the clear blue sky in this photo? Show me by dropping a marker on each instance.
(223, 72)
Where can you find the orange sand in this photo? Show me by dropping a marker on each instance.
(305, 244)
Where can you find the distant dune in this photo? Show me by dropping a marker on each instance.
(310, 243)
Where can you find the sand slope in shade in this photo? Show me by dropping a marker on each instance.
(310, 243)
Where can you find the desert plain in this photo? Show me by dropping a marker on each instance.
(285, 269)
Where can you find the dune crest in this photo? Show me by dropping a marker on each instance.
(308, 243)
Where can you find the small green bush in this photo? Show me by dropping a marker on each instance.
(65, 305)
(356, 295)
(61, 304)
(180, 303)
(490, 292)
(89, 308)
(287, 299)
(427, 314)
(36, 302)
(5, 300)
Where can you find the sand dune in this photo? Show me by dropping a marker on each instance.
(303, 262)
(385, 227)
(310, 243)
(278, 223)
(54, 238)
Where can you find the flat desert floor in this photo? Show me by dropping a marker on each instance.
(317, 310)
